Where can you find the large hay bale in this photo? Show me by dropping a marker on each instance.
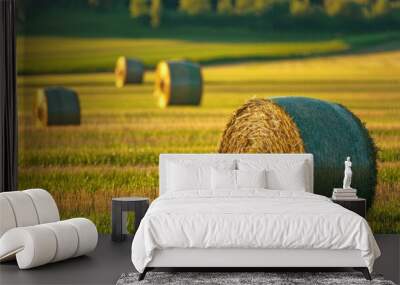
(128, 71)
(57, 106)
(295, 125)
(178, 83)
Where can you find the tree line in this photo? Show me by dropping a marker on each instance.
(262, 12)
(355, 10)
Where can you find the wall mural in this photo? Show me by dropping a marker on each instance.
(105, 86)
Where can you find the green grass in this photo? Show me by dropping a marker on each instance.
(45, 54)
(79, 40)
(59, 55)
(115, 150)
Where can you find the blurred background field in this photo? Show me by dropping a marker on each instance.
(114, 152)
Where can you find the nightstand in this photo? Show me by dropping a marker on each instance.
(358, 206)
(120, 207)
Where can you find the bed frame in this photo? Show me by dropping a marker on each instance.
(242, 259)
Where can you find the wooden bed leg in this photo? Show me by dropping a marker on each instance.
(364, 271)
(143, 274)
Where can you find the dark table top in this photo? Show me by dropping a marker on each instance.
(348, 200)
(130, 199)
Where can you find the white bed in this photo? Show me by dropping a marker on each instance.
(249, 227)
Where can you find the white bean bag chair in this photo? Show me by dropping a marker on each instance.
(31, 230)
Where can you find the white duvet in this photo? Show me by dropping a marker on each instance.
(250, 219)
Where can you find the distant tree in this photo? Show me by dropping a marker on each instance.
(225, 7)
(346, 8)
(139, 8)
(380, 8)
(299, 7)
(260, 6)
(244, 6)
(195, 7)
(155, 13)
(333, 7)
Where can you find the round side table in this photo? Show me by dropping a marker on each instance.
(119, 208)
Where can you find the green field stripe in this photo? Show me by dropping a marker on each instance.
(389, 154)
(57, 158)
(384, 216)
(148, 156)
(110, 140)
(389, 172)
(386, 132)
(62, 54)
(88, 179)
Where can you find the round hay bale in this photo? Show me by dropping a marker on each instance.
(296, 125)
(128, 71)
(57, 106)
(178, 83)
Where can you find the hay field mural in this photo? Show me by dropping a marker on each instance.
(115, 150)
(275, 49)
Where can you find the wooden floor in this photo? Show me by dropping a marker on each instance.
(110, 260)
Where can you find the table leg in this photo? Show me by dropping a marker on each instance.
(124, 222)
(116, 222)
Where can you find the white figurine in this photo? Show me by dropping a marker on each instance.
(347, 174)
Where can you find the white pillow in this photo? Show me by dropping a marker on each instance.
(188, 177)
(223, 179)
(293, 178)
(281, 175)
(251, 178)
(193, 174)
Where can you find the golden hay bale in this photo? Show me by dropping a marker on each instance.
(128, 71)
(57, 106)
(255, 120)
(295, 125)
(178, 83)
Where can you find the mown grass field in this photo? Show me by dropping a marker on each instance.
(115, 150)
(49, 55)
(57, 55)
